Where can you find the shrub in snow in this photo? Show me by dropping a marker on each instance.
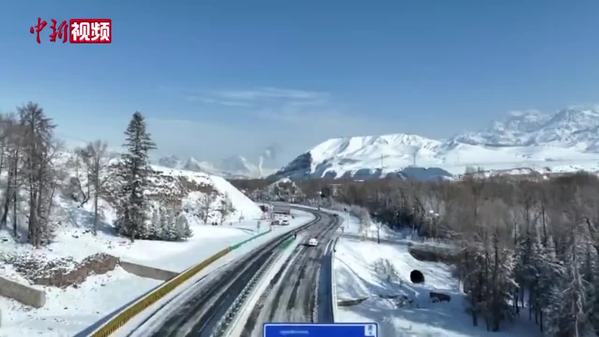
(167, 225)
(386, 271)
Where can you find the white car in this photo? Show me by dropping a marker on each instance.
(285, 222)
(313, 242)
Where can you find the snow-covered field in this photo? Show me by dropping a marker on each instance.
(379, 274)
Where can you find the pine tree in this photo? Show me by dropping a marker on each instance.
(525, 272)
(573, 307)
(589, 277)
(135, 171)
(472, 267)
(501, 284)
(154, 229)
(551, 275)
(182, 227)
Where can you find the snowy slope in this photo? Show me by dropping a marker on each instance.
(374, 282)
(242, 204)
(565, 141)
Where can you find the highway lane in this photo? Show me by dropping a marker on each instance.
(199, 311)
(301, 290)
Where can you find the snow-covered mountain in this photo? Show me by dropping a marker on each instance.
(231, 167)
(569, 127)
(240, 166)
(565, 141)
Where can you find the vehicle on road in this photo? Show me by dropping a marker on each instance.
(313, 242)
(285, 222)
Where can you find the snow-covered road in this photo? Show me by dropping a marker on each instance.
(199, 309)
(301, 290)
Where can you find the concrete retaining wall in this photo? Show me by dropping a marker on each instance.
(147, 272)
(24, 294)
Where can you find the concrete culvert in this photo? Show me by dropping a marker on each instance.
(416, 276)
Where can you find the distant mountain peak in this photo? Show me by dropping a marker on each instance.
(565, 140)
(568, 127)
(231, 167)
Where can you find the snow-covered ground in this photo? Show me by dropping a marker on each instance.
(351, 226)
(379, 274)
(68, 311)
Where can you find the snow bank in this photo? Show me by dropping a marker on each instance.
(68, 311)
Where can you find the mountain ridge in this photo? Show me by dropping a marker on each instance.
(563, 141)
(234, 167)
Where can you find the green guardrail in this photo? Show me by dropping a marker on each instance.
(288, 241)
(239, 244)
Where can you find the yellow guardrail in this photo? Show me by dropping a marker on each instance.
(124, 316)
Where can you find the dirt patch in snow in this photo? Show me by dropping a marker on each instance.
(63, 272)
(433, 254)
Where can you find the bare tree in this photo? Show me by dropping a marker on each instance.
(225, 208)
(12, 141)
(204, 205)
(95, 159)
(38, 152)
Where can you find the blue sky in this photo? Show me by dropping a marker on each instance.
(218, 78)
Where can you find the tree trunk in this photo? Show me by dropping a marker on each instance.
(33, 221)
(14, 212)
(544, 225)
(8, 196)
(95, 228)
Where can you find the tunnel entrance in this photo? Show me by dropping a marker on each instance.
(416, 276)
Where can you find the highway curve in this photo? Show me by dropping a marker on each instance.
(200, 310)
(301, 290)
